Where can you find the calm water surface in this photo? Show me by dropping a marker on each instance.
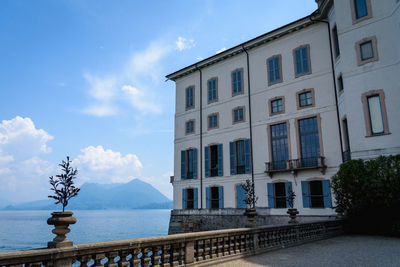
(28, 229)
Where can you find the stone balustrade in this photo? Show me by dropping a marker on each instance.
(191, 249)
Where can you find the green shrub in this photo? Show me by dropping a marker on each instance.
(368, 191)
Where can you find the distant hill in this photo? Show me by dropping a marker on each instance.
(135, 194)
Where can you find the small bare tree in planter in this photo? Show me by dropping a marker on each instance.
(291, 210)
(63, 188)
(251, 200)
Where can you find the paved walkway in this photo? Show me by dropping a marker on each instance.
(338, 251)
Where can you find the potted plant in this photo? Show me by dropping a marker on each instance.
(251, 201)
(64, 190)
(292, 211)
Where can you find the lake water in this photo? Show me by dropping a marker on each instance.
(29, 229)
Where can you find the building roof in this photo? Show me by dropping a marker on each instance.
(248, 45)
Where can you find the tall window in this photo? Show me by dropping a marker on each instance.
(278, 193)
(375, 114)
(274, 70)
(316, 194)
(189, 97)
(214, 197)
(305, 99)
(361, 9)
(212, 121)
(189, 164)
(213, 160)
(336, 41)
(302, 58)
(189, 198)
(189, 127)
(240, 156)
(279, 145)
(238, 115)
(237, 83)
(309, 142)
(212, 90)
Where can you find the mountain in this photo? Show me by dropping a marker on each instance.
(135, 194)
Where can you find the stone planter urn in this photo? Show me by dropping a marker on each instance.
(251, 214)
(61, 221)
(292, 214)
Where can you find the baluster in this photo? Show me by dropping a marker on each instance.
(227, 246)
(175, 255)
(97, 259)
(135, 260)
(182, 253)
(147, 258)
(166, 255)
(220, 246)
(122, 259)
(157, 251)
(207, 248)
(111, 262)
(84, 260)
(214, 246)
(200, 250)
(237, 244)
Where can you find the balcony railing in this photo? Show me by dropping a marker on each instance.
(294, 165)
(193, 249)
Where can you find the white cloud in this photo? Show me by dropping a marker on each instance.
(221, 50)
(183, 43)
(23, 175)
(106, 166)
(101, 88)
(138, 100)
(101, 110)
(199, 58)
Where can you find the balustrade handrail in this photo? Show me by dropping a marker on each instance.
(177, 249)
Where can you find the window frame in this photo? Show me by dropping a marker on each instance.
(233, 114)
(312, 91)
(279, 56)
(374, 43)
(275, 197)
(354, 15)
(216, 90)
(187, 198)
(236, 157)
(340, 83)
(208, 121)
(269, 126)
(186, 90)
(297, 75)
(194, 126)
(335, 40)
(367, 118)
(270, 105)
(319, 196)
(242, 74)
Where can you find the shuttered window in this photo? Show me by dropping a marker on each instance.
(237, 83)
(238, 115)
(214, 197)
(189, 198)
(189, 164)
(302, 60)
(189, 97)
(278, 195)
(274, 70)
(213, 161)
(240, 156)
(212, 90)
(316, 194)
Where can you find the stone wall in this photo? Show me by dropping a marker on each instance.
(186, 221)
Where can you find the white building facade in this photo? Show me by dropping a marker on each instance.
(286, 108)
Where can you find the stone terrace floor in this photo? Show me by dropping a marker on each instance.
(337, 251)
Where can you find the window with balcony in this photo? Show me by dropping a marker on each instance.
(214, 197)
(240, 156)
(309, 142)
(212, 90)
(189, 164)
(279, 146)
(213, 160)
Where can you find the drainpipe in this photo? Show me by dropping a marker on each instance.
(201, 137)
(334, 79)
(250, 124)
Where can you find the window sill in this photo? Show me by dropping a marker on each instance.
(376, 135)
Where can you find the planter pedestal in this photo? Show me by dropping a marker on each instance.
(61, 221)
(251, 217)
(292, 214)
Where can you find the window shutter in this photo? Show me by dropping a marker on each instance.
(271, 70)
(221, 197)
(326, 190)
(234, 82)
(208, 198)
(277, 69)
(184, 206)
(247, 155)
(298, 62)
(240, 197)
(183, 164)
(305, 59)
(209, 91)
(232, 157)
(271, 197)
(206, 161)
(195, 200)
(194, 163)
(239, 81)
(288, 188)
(306, 194)
(220, 161)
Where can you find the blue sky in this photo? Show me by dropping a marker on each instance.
(87, 79)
